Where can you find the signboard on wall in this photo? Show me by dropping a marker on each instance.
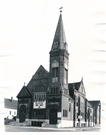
(39, 104)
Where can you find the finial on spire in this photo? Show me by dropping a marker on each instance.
(24, 83)
(82, 78)
(60, 9)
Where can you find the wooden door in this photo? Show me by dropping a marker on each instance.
(53, 116)
(22, 113)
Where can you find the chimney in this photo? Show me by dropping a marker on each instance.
(11, 99)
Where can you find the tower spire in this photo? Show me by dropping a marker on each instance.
(59, 41)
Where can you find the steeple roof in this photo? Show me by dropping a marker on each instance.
(59, 41)
(24, 92)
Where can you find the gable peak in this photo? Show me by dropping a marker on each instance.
(24, 92)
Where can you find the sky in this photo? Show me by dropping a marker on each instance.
(27, 32)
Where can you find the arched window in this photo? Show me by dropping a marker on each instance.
(35, 97)
(44, 96)
(40, 88)
(69, 107)
(65, 76)
(56, 90)
(51, 91)
(55, 45)
(66, 46)
(55, 66)
(39, 97)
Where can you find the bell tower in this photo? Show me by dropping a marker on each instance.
(59, 58)
(58, 93)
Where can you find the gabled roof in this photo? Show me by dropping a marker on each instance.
(60, 35)
(24, 92)
(73, 86)
(95, 102)
(79, 86)
(39, 69)
(37, 78)
(10, 104)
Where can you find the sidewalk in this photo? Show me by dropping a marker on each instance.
(68, 129)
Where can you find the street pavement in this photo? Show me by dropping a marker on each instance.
(8, 128)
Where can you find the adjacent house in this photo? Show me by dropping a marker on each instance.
(10, 108)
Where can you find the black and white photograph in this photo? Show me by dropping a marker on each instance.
(53, 66)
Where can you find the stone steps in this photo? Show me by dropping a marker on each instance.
(14, 123)
(51, 125)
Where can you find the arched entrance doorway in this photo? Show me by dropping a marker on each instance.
(22, 115)
(53, 116)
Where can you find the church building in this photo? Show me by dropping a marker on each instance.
(48, 98)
